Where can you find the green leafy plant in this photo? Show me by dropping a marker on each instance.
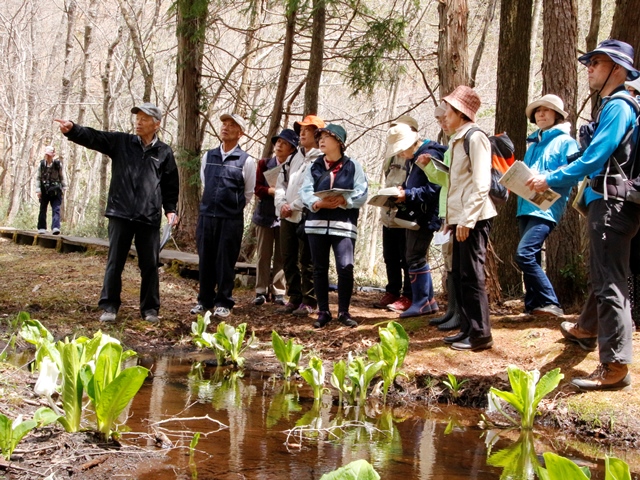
(356, 470)
(228, 341)
(518, 460)
(361, 373)
(37, 334)
(288, 354)
(392, 350)
(314, 376)
(340, 381)
(528, 389)
(454, 385)
(12, 431)
(110, 388)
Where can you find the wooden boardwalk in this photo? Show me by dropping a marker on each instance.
(185, 263)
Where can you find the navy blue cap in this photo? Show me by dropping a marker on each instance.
(618, 51)
(288, 136)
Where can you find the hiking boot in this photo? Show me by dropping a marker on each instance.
(260, 299)
(473, 345)
(303, 310)
(400, 305)
(386, 300)
(549, 310)
(345, 319)
(108, 316)
(607, 376)
(278, 299)
(288, 308)
(572, 332)
(198, 310)
(323, 319)
(221, 312)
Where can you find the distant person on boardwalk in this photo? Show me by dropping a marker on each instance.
(271, 282)
(50, 187)
(470, 211)
(294, 243)
(548, 149)
(332, 222)
(228, 175)
(613, 221)
(144, 181)
(418, 203)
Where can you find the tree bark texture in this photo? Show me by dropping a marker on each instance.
(316, 57)
(565, 249)
(514, 58)
(486, 23)
(453, 43)
(191, 21)
(626, 25)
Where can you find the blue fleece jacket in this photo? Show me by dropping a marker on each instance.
(616, 118)
(547, 152)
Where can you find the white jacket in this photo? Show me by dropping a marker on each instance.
(469, 179)
(290, 181)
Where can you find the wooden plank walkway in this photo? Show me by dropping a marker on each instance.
(185, 263)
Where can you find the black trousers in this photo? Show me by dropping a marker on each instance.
(147, 241)
(468, 274)
(343, 247)
(297, 265)
(219, 241)
(417, 247)
(612, 226)
(393, 252)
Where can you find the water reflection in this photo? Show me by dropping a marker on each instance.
(518, 461)
(411, 442)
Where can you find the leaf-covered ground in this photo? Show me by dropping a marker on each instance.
(62, 290)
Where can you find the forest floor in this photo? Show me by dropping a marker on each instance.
(61, 290)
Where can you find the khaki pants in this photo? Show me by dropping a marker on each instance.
(268, 238)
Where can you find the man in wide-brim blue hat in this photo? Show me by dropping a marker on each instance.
(605, 322)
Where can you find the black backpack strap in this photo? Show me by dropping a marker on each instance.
(467, 135)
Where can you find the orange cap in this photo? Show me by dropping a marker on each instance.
(308, 120)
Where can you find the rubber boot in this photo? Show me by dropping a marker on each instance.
(451, 307)
(634, 297)
(452, 323)
(421, 285)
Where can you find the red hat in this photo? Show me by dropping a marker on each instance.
(465, 100)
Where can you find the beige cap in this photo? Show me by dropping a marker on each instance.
(236, 118)
(400, 137)
(549, 100)
(406, 120)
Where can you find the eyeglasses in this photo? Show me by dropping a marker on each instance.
(595, 62)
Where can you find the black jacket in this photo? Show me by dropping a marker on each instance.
(143, 182)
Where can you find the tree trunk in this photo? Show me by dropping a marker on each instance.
(283, 83)
(625, 26)
(242, 101)
(316, 57)
(73, 206)
(146, 65)
(191, 24)
(486, 23)
(537, 10)
(453, 57)
(565, 248)
(512, 93)
(592, 36)
(106, 126)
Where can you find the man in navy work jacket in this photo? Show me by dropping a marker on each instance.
(144, 181)
(605, 321)
(228, 175)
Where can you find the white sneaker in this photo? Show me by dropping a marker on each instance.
(56, 231)
(108, 317)
(42, 231)
(221, 312)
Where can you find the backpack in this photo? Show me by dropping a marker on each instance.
(623, 183)
(502, 158)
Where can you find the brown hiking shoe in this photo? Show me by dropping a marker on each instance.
(572, 332)
(608, 376)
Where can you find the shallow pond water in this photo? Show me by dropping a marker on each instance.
(413, 442)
